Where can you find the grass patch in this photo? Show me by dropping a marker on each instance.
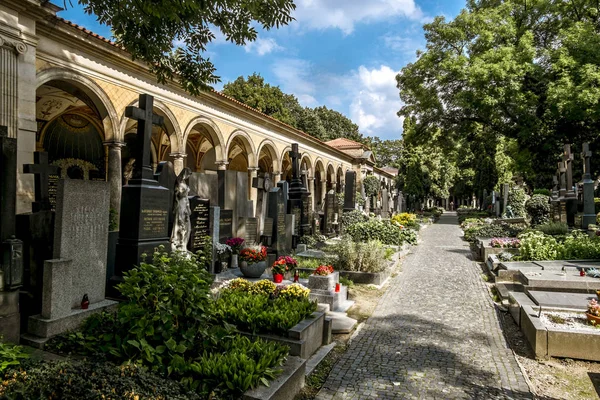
(557, 319)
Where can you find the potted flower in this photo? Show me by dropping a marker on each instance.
(279, 268)
(236, 245)
(222, 251)
(593, 312)
(253, 261)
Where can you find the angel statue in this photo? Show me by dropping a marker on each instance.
(182, 226)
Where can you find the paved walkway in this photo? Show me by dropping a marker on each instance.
(433, 335)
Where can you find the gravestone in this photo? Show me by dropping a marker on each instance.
(329, 213)
(290, 228)
(80, 253)
(589, 215)
(277, 210)
(200, 222)
(205, 185)
(233, 194)
(267, 237)
(144, 221)
(225, 225)
(248, 229)
(570, 197)
(350, 191)
(214, 226)
(44, 175)
(298, 194)
(385, 205)
(263, 185)
(166, 177)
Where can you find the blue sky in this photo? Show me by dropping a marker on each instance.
(343, 54)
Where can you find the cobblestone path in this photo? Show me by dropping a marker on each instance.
(433, 335)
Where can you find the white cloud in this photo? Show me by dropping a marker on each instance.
(407, 46)
(294, 76)
(375, 102)
(262, 46)
(344, 14)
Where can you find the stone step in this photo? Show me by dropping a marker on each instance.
(342, 323)
(316, 358)
(285, 386)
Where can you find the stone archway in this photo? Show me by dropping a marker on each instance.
(240, 151)
(203, 145)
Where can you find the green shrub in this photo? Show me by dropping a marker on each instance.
(494, 230)
(577, 245)
(371, 185)
(597, 205)
(346, 281)
(384, 231)
(516, 201)
(537, 246)
(73, 380)
(538, 208)
(545, 192)
(259, 313)
(220, 370)
(113, 219)
(312, 240)
(307, 262)
(10, 356)
(353, 217)
(553, 228)
(360, 256)
(473, 215)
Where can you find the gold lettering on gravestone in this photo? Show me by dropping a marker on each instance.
(52, 188)
(154, 221)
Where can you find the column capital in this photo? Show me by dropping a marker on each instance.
(253, 169)
(311, 178)
(222, 165)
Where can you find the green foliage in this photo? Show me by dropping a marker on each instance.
(493, 230)
(312, 240)
(384, 231)
(597, 205)
(204, 255)
(371, 185)
(346, 281)
(307, 262)
(239, 365)
(538, 208)
(407, 220)
(387, 152)
(553, 228)
(353, 217)
(516, 201)
(577, 245)
(10, 356)
(360, 256)
(545, 192)
(148, 31)
(259, 313)
(76, 380)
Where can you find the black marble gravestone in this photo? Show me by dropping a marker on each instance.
(350, 191)
(200, 222)
(225, 225)
(277, 210)
(144, 223)
(328, 216)
(166, 177)
(8, 184)
(298, 194)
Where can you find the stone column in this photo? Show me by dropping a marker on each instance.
(253, 173)
(115, 174)
(276, 177)
(222, 165)
(311, 189)
(178, 161)
(323, 191)
(17, 93)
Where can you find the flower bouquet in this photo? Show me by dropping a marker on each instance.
(253, 254)
(235, 244)
(505, 243)
(323, 270)
(593, 312)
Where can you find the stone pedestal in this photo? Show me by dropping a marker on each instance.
(589, 216)
(10, 318)
(115, 174)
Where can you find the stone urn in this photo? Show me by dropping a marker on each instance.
(254, 270)
(234, 261)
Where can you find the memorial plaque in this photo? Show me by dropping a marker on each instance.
(154, 217)
(225, 225)
(350, 191)
(200, 222)
(52, 187)
(248, 229)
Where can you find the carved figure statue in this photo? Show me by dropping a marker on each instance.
(128, 171)
(182, 226)
(509, 212)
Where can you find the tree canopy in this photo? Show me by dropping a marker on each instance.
(512, 80)
(149, 29)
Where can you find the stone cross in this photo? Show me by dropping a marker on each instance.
(42, 171)
(567, 159)
(146, 118)
(586, 155)
(563, 181)
(294, 156)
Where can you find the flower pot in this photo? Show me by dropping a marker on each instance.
(254, 270)
(234, 261)
(593, 319)
(277, 278)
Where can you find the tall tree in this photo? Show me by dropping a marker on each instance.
(526, 70)
(149, 29)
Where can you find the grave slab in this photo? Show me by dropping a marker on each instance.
(577, 301)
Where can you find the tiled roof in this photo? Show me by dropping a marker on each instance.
(343, 143)
(390, 170)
